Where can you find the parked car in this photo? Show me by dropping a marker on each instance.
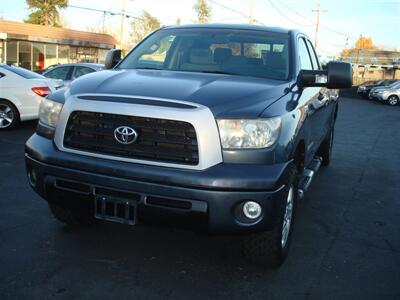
(364, 89)
(216, 127)
(69, 72)
(41, 71)
(389, 94)
(21, 92)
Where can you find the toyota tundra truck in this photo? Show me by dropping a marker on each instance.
(216, 128)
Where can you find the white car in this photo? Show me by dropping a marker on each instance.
(21, 92)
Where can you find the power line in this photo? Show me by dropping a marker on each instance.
(312, 21)
(297, 13)
(235, 11)
(111, 13)
(286, 17)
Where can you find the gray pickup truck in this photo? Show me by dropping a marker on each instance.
(218, 128)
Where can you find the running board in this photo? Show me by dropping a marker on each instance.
(308, 175)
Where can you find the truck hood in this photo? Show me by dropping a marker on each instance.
(225, 95)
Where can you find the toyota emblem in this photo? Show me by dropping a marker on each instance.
(125, 135)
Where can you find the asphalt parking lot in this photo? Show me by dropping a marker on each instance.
(346, 240)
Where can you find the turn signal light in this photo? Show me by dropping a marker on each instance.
(42, 91)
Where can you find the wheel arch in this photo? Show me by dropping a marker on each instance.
(13, 103)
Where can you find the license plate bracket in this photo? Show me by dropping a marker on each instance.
(115, 209)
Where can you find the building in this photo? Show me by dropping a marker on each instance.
(37, 47)
(370, 64)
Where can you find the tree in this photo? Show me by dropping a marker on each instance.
(143, 25)
(94, 29)
(203, 11)
(364, 43)
(45, 12)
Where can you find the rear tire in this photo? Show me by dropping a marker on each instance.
(325, 149)
(9, 115)
(270, 249)
(72, 216)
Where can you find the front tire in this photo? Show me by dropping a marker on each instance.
(9, 116)
(393, 100)
(270, 249)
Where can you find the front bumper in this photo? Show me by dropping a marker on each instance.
(378, 96)
(213, 194)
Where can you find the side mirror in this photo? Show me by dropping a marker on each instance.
(113, 57)
(338, 75)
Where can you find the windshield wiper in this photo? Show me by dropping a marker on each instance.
(219, 72)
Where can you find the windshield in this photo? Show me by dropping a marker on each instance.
(395, 85)
(22, 72)
(221, 51)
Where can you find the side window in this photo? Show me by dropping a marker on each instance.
(58, 73)
(314, 57)
(80, 71)
(305, 62)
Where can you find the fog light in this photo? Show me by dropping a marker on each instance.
(32, 178)
(252, 210)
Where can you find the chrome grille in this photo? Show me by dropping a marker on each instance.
(158, 139)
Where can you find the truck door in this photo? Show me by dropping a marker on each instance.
(313, 99)
(326, 97)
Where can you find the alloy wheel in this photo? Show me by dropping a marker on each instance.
(6, 115)
(393, 100)
(287, 219)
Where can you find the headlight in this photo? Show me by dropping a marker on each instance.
(49, 112)
(257, 133)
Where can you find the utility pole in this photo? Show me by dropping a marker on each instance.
(104, 22)
(358, 47)
(251, 14)
(346, 44)
(121, 36)
(318, 11)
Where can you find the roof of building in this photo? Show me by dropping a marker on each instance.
(32, 31)
(372, 56)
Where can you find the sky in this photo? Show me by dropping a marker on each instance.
(341, 22)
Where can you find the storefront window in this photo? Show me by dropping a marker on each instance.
(38, 57)
(63, 54)
(73, 56)
(25, 55)
(1, 52)
(51, 55)
(12, 52)
(83, 54)
(102, 56)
